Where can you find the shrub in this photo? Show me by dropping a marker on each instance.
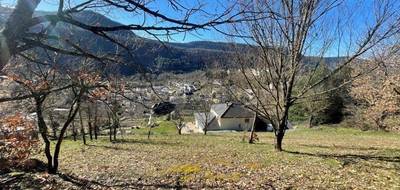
(19, 138)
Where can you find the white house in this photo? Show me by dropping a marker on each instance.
(233, 117)
(226, 116)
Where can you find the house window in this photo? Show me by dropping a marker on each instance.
(247, 120)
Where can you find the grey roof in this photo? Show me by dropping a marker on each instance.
(220, 108)
(238, 111)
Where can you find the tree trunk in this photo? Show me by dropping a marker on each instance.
(96, 128)
(53, 126)
(73, 130)
(115, 132)
(110, 133)
(380, 122)
(206, 124)
(282, 125)
(43, 132)
(52, 161)
(14, 29)
(279, 139)
(61, 137)
(82, 127)
(310, 121)
(148, 133)
(89, 115)
(90, 130)
(109, 125)
(251, 139)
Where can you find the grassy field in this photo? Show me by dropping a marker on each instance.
(319, 158)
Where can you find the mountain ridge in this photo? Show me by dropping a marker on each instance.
(158, 57)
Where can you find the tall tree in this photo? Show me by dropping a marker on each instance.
(17, 36)
(285, 32)
(377, 94)
(41, 80)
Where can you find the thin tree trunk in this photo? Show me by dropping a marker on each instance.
(43, 132)
(110, 126)
(115, 131)
(62, 132)
(90, 130)
(310, 121)
(150, 125)
(82, 127)
(279, 138)
(73, 130)
(53, 126)
(111, 134)
(89, 115)
(149, 132)
(280, 133)
(96, 128)
(251, 139)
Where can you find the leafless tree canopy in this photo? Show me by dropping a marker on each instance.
(24, 30)
(284, 32)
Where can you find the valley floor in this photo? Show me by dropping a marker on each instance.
(319, 158)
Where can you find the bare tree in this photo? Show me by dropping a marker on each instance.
(178, 120)
(83, 133)
(279, 40)
(377, 94)
(204, 99)
(40, 81)
(17, 38)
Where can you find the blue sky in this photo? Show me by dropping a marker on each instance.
(211, 6)
(361, 10)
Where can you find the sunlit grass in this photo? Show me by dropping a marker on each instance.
(323, 157)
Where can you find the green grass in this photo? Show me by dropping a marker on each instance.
(321, 158)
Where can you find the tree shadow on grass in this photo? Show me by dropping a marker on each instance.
(349, 147)
(148, 141)
(115, 146)
(350, 158)
(90, 184)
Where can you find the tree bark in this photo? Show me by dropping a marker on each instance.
(109, 125)
(15, 27)
(96, 131)
(278, 142)
(53, 126)
(96, 128)
(282, 125)
(115, 131)
(82, 127)
(310, 121)
(43, 132)
(89, 115)
(61, 137)
(380, 121)
(149, 132)
(73, 130)
(251, 139)
(90, 130)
